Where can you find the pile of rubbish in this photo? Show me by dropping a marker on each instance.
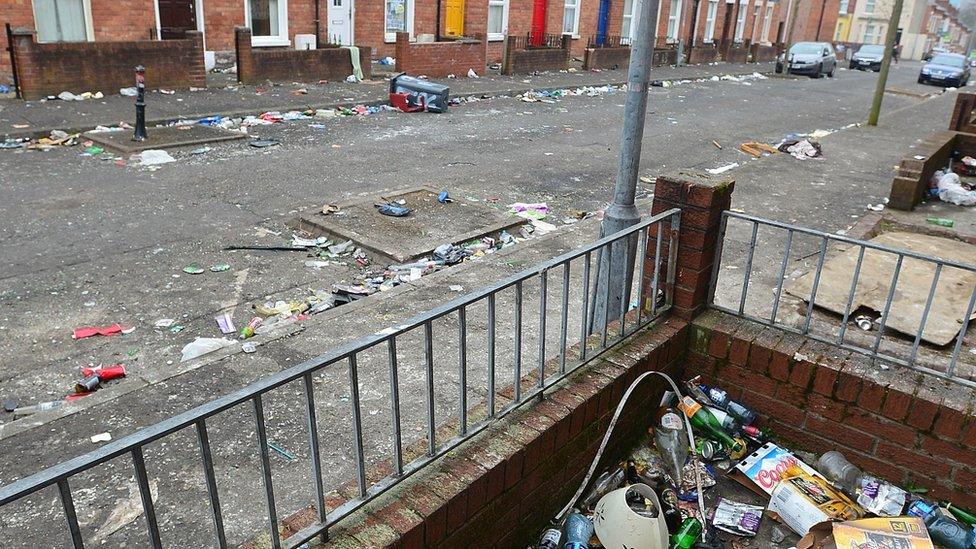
(655, 499)
(551, 96)
(949, 187)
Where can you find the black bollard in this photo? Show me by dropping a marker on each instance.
(140, 132)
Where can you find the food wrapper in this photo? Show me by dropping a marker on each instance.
(737, 518)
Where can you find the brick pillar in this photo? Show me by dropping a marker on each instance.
(701, 198)
(962, 113)
(196, 66)
(22, 42)
(566, 45)
(242, 50)
(402, 52)
(509, 56)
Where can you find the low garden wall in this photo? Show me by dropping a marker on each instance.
(439, 59)
(51, 68)
(521, 58)
(284, 64)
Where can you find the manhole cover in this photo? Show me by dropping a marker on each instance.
(163, 138)
(429, 225)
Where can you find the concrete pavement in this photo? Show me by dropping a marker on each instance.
(88, 241)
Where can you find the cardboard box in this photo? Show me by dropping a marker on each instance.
(803, 501)
(894, 532)
(761, 470)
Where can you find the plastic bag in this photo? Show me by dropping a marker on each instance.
(203, 345)
(951, 190)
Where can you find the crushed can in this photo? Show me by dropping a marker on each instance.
(412, 94)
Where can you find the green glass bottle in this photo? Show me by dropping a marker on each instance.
(962, 516)
(687, 535)
(704, 421)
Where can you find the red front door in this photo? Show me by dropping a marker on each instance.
(176, 17)
(538, 28)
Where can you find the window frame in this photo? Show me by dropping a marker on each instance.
(843, 7)
(390, 37)
(497, 36)
(711, 14)
(739, 33)
(767, 22)
(674, 16)
(576, 4)
(280, 39)
(867, 4)
(89, 26)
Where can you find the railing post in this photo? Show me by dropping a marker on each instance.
(702, 198)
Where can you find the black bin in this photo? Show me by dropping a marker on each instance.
(421, 92)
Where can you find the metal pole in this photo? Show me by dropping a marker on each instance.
(140, 131)
(885, 63)
(622, 213)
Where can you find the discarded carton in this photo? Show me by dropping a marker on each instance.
(801, 500)
(762, 469)
(901, 532)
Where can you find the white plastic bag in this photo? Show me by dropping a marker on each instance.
(950, 190)
(204, 345)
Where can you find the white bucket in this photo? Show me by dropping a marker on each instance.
(617, 525)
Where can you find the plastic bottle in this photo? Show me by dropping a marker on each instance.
(687, 535)
(721, 400)
(704, 421)
(835, 467)
(550, 539)
(949, 533)
(579, 529)
(671, 440)
(609, 480)
(941, 221)
(25, 411)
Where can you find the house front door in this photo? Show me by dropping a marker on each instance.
(340, 22)
(176, 17)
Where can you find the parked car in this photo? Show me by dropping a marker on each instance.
(945, 69)
(868, 58)
(813, 59)
(933, 52)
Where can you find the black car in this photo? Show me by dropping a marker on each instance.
(945, 69)
(868, 58)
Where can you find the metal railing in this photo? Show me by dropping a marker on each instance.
(778, 246)
(526, 379)
(606, 41)
(536, 41)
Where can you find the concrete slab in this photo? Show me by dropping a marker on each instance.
(164, 138)
(401, 239)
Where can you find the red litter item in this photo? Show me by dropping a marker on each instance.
(403, 101)
(104, 373)
(82, 333)
(75, 396)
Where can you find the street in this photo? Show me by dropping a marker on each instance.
(88, 242)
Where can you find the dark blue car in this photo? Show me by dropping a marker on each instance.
(945, 69)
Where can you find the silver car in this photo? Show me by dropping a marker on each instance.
(813, 59)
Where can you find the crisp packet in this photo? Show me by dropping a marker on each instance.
(737, 518)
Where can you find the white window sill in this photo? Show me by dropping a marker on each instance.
(492, 37)
(571, 35)
(269, 41)
(391, 39)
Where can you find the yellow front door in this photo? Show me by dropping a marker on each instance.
(454, 18)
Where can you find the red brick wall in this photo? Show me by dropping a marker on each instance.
(523, 61)
(48, 69)
(122, 19)
(439, 59)
(607, 58)
(20, 15)
(259, 65)
(898, 424)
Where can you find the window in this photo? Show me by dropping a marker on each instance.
(399, 18)
(740, 22)
(626, 29)
(268, 20)
(674, 20)
(869, 36)
(571, 17)
(710, 20)
(62, 20)
(843, 6)
(767, 19)
(869, 6)
(497, 19)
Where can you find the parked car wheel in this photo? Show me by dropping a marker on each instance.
(819, 73)
(921, 80)
(831, 73)
(851, 66)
